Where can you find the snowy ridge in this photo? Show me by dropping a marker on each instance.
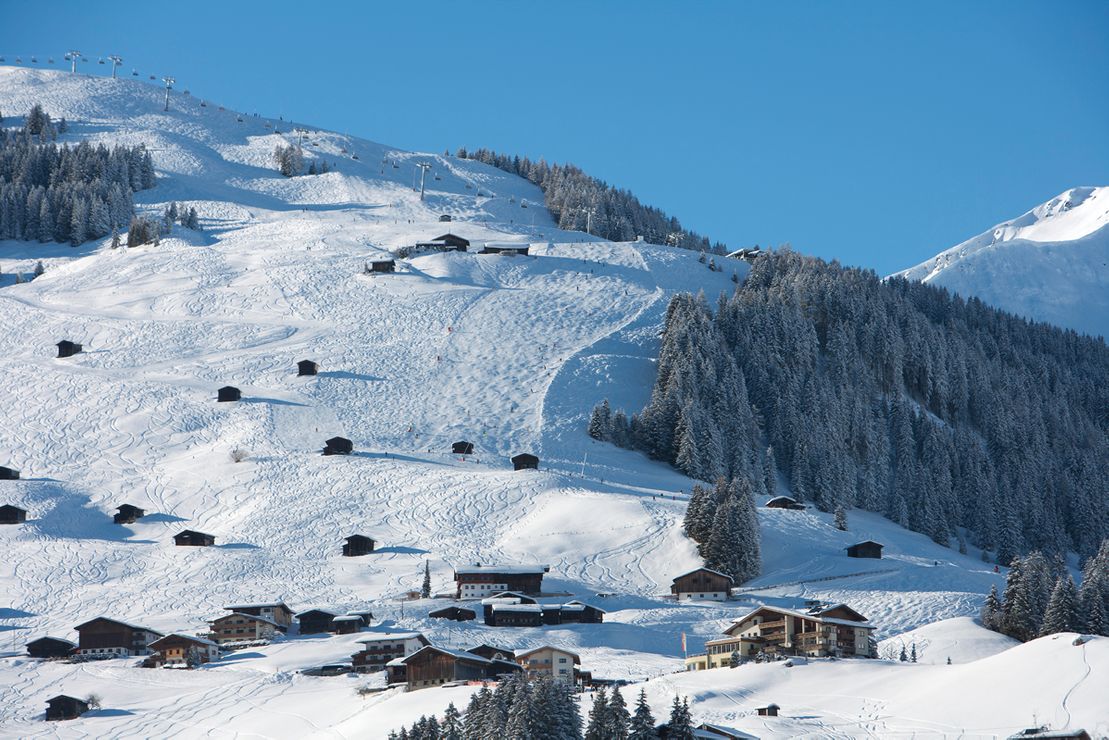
(1050, 264)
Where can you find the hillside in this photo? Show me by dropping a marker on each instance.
(510, 353)
(1050, 264)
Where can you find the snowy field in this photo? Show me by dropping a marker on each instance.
(508, 352)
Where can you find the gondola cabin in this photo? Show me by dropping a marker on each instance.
(65, 707)
(191, 538)
(8, 473)
(307, 367)
(525, 461)
(358, 544)
(12, 514)
(338, 446)
(462, 448)
(67, 348)
(127, 514)
(228, 393)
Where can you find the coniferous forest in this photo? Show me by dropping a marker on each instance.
(617, 215)
(62, 193)
(949, 417)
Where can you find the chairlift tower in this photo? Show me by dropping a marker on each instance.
(424, 167)
(169, 86)
(73, 57)
(116, 61)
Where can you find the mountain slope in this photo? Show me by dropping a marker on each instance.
(1050, 264)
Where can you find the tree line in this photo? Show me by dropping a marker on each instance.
(66, 193)
(617, 215)
(948, 416)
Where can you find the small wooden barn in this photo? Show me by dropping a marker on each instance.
(65, 707)
(784, 502)
(454, 241)
(509, 248)
(67, 348)
(462, 448)
(492, 652)
(307, 367)
(382, 265)
(702, 584)
(338, 446)
(455, 613)
(347, 624)
(228, 393)
(316, 621)
(358, 544)
(50, 647)
(8, 473)
(866, 549)
(445, 218)
(192, 538)
(12, 514)
(525, 461)
(770, 710)
(127, 514)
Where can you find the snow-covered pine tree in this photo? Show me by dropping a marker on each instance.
(425, 588)
(680, 725)
(600, 422)
(841, 519)
(1062, 609)
(642, 725)
(597, 722)
(991, 615)
(616, 725)
(451, 726)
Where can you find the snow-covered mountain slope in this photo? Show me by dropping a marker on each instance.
(1051, 264)
(511, 353)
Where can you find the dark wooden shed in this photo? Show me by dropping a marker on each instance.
(307, 367)
(867, 549)
(127, 514)
(191, 538)
(445, 218)
(50, 647)
(784, 502)
(67, 348)
(453, 240)
(511, 248)
(383, 265)
(315, 621)
(12, 514)
(492, 652)
(8, 473)
(358, 544)
(456, 613)
(65, 707)
(347, 624)
(338, 446)
(228, 393)
(770, 710)
(462, 448)
(525, 461)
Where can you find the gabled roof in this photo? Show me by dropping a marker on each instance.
(348, 618)
(52, 639)
(787, 499)
(456, 654)
(64, 697)
(275, 604)
(129, 507)
(244, 615)
(387, 636)
(520, 654)
(506, 569)
(867, 542)
(511, 607)
(116, 621)
(317, 611)
(187, 638)
(360, 537)
(191, 532)
(814, 614)
(582, 605)
(704, 570)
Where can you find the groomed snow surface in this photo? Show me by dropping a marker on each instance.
(510, 353)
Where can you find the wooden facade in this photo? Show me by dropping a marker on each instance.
(784, 502)
(106, 638)
(703, 583)
(492, 652)
(867, 549)
(525, 461)
(357, 545)
(481, 581)
(509, 248)
(383, 265)
(462, 448)
(770, 710)
(307, 367)
(192, 538)
(239, 627)
(378, 651)
(456, 613)
(67, 348)
(347, 624)
(445, 218)
(557, 663)
(50, 647)
(228, 393)
(8, 473)
(277, 612)
(65, 707)
(127, 514)
(12, 514)
(315, 621)
(434, 666)
(453, 240)
(338, 446)
(177, 649)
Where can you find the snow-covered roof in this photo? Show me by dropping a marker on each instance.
(244, 615)
(348, 618)
(506, 569)
(815, 615)
(703, 570)
(458, 654)
(189, 638)
(507, 245)
(272, 605)
(526, 653)
(576, 605)
(395, 636)
(517, 607)
(116, 621)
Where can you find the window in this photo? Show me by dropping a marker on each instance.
(562, 660)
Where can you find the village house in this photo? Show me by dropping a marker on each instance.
(50, 647)
(380, 649)
(276, 611)
(65, 707)
(228, 393)
(554, 662)
(456, 613)
(784, 502)
(178, 649)
(127, 514)
(347, 624)
(192, 538)
(315, 621)
(576, 612)
(702, 584)
(381, 266)
(307, 367)
(67, 348)
(508, 248)
(338, 446)
(492, 652)
(867, 549)
(525, 461)
(110, 638)
(453, 242)
(512, 613)
(435, 666)
(8, 473)
(503, 598)
(240, 627)
(357, 545)
(479, 581)
(462, 448)
(12, 514)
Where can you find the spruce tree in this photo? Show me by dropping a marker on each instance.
(841, 519)
(991, 611)
(680, 726)
(598, 717)
(616, 725)
(1062, 609)
(425, 589)
(600, 422)
(642, 726)
(451, 727)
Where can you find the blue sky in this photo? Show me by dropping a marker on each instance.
(875, 133)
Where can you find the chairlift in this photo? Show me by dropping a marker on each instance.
(100, 61)
(50, 60)
(152, 77)
(203, 104)
(34, 60)
(134, 73)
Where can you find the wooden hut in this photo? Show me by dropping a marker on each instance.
(525, 461)
(192, 538)
(509, 248)
(455, 613)
(492, 652)
(338, 446)
(445, 218)
(8, 473)
(866, 549)
(50, 647)
(784, 502)
(307, 367)
(770, 710)
(702, 584)
(358, 544)
(228, 393)
(67, 348)
(316, 621)
(12, 514)
(347, 624)
(65, 707)
(454, 241)
(462, 448)
(127, 514)
(382, 265)
(433, 666)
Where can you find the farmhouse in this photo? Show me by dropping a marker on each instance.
(67, 348)
(192, 538)
(127, 514)
(702, 584)
(178, 649)
(228, 393)
(381, 649)
(509, 614)
(347, 624)
(315, 621)
(492, 652)
(784, 502)
(554, 662)
(8, 473)
(456, 613)
(508, 248)
(65, 707)
(239, 627)
(358, 544)
(453, 241)
(110, 638)
(381, 266)
(513, 610)
(307, 367)
(12, 514)
(525, 461)
(576, 611)
(434, 666)
(462, 448)
(277, 612)
(479, 581)
(50, 647)
(867, 549)
(338, 446)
